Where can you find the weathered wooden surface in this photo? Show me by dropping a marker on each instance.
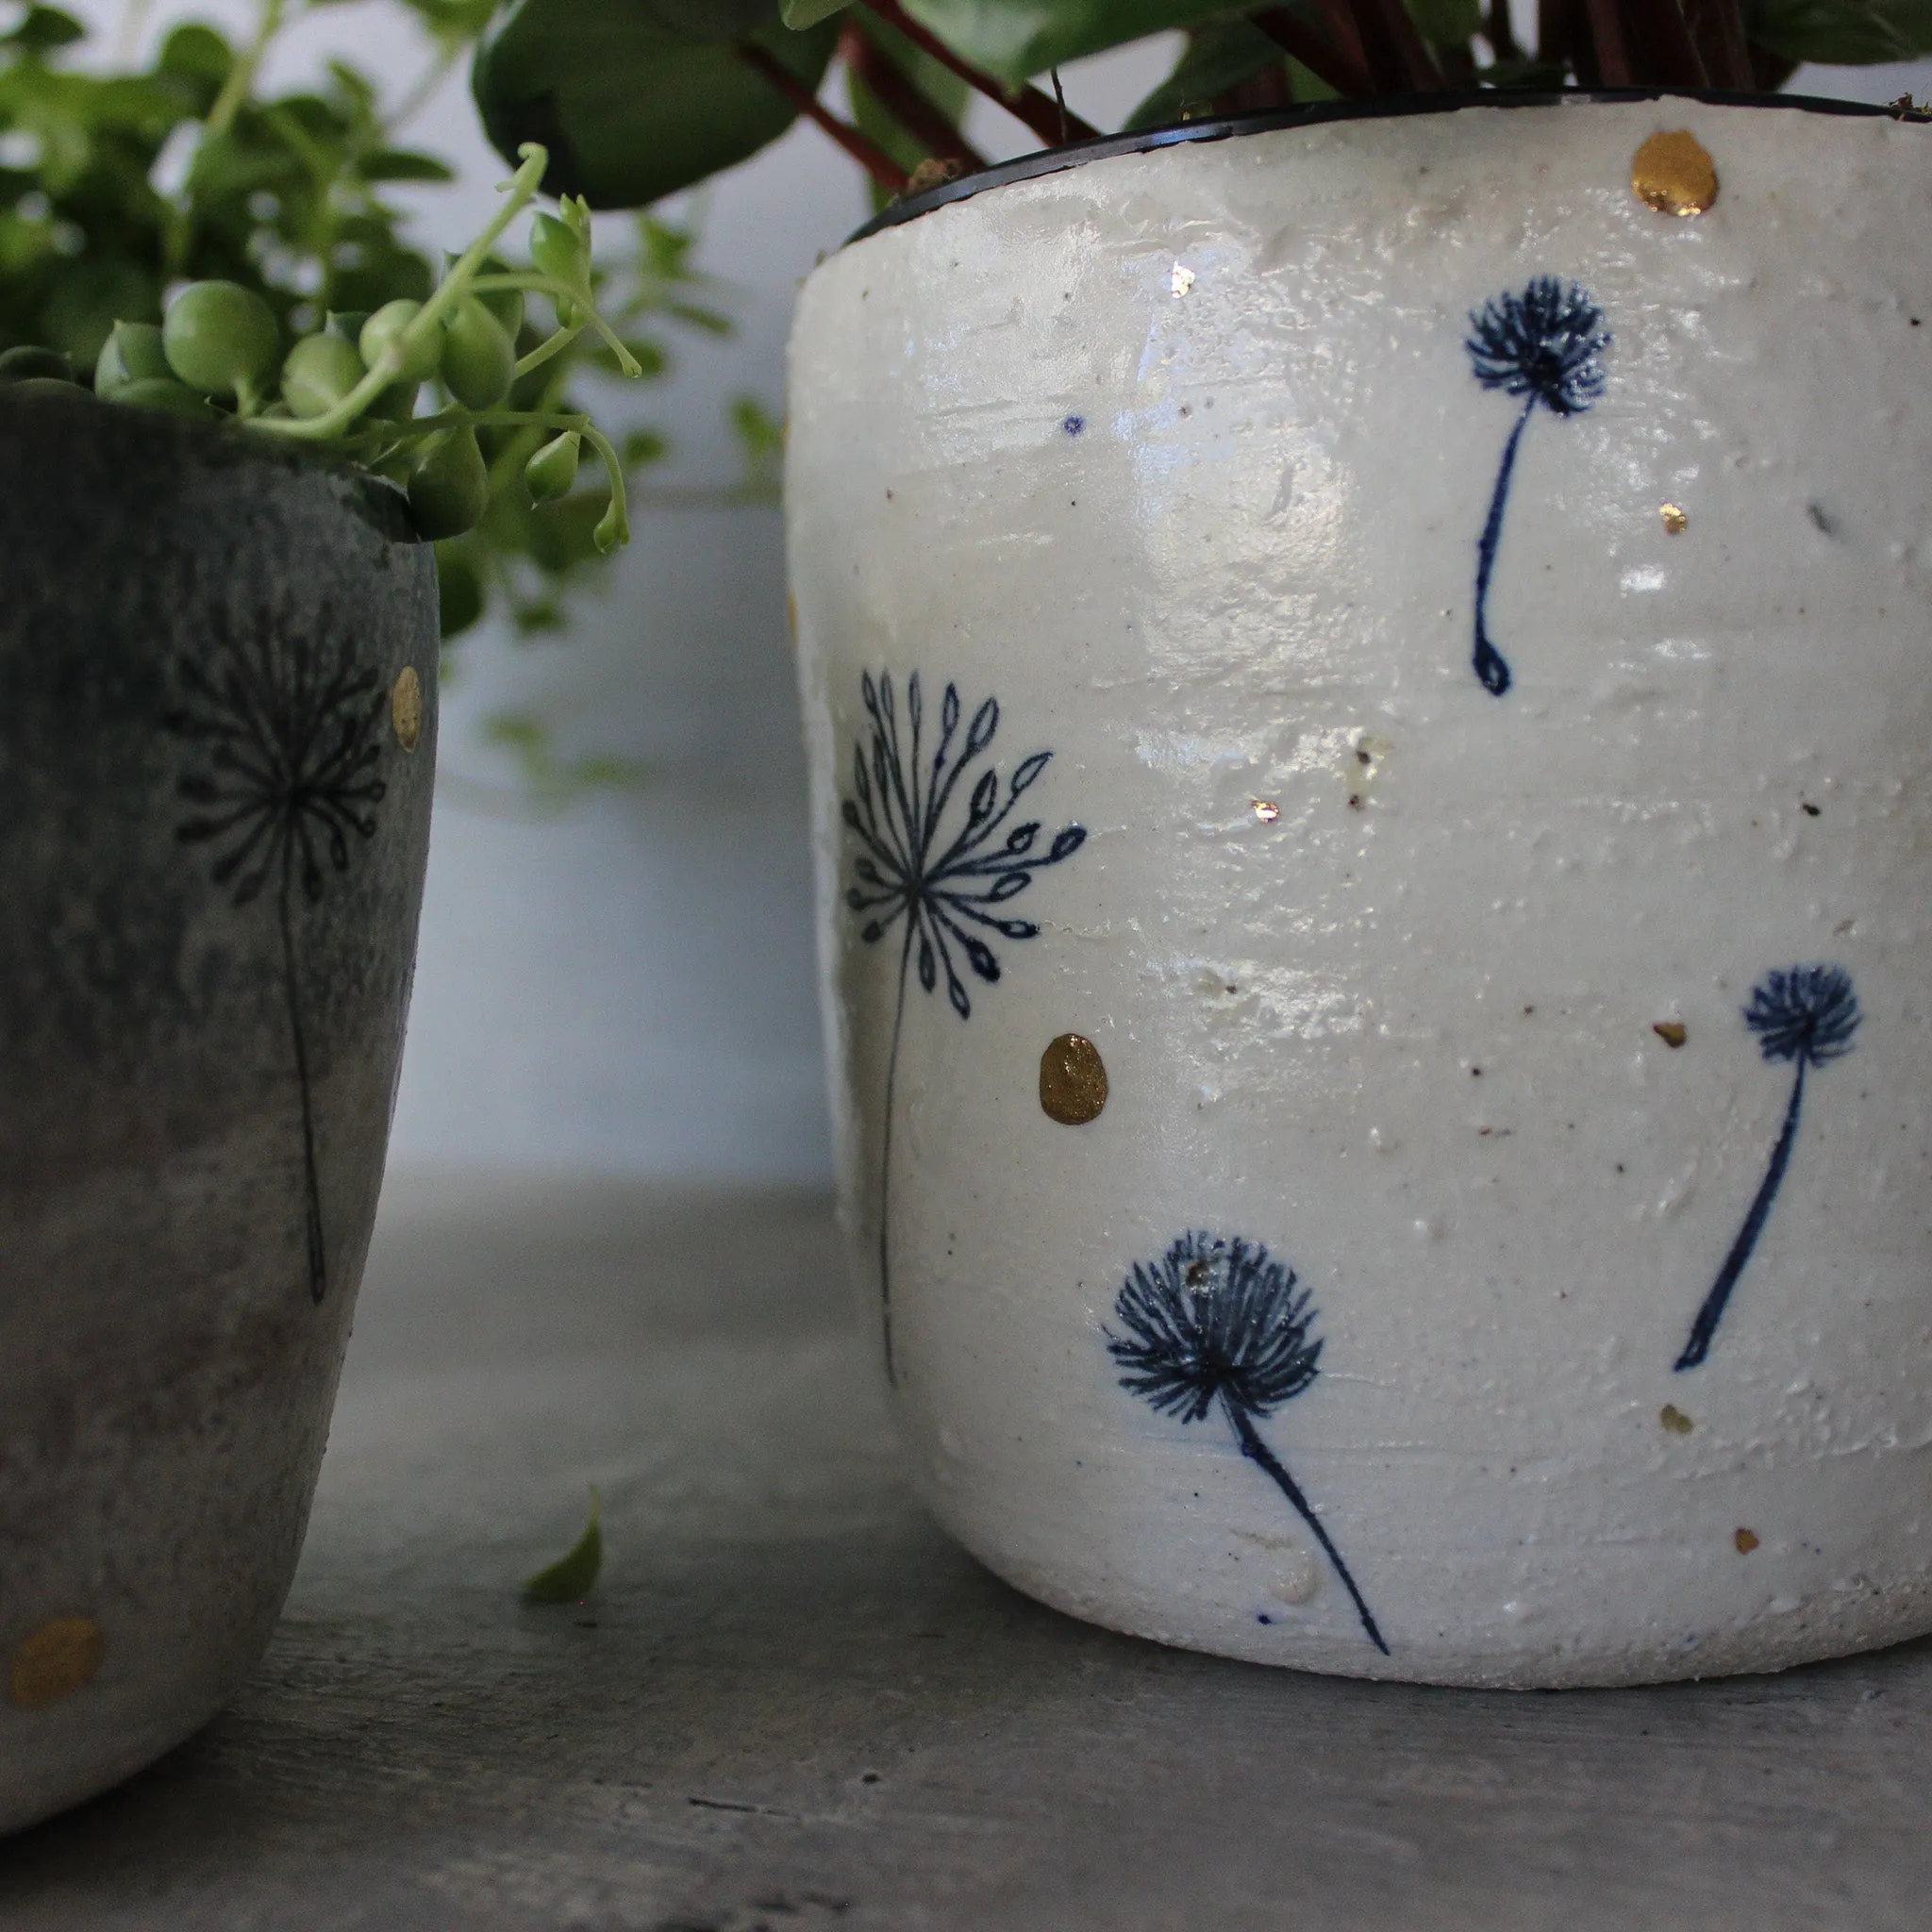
(794, 1704)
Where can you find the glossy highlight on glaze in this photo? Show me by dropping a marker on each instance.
(1803, 1013)
(1220, 1321)
(938, 869)
(1545, 346)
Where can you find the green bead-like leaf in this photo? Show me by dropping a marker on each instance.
(132, 353)
(449, 487)
(479, 361)
(630, 110)
(317, 373)
(43, 28)
(460, 592)
(32, 363)
(553, 470)
(572, 1577)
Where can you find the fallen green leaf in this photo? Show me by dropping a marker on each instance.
(571, 1577)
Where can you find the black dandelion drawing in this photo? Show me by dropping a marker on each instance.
(1807, 1014)
(1545, 346)
(285, 719)
(1220, 1321)
(940, 854)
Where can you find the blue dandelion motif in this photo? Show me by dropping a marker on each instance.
(1545, 346)
(1804, 1015)
(940, 860)
(1223, 1322)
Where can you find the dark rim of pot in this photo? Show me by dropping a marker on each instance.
(214, 443)
(1053, 160)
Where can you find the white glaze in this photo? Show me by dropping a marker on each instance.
(1254, 564)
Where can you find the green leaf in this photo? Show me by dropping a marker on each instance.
(401, 164)
(43, 28)
(201, 58)
(1019, 39)
(461, 594)
(712, 21)
(800, 14)
(630, 110)
(1219, 55)
(937, 82)
(571, 1575)
(1447, 23)
(1841, 33)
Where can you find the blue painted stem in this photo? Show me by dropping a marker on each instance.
(1490, 666)
(1255, 1450)
(886, 1164)
(1712, 1312)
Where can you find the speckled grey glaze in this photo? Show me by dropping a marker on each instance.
(1503, 1255)
(185, 621)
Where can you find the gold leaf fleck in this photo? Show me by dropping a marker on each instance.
(1672, 1032)
(405, 708)
(1675, 174)
(1675, 1420)
(1746, 1540)
(56, 1660)
(1267, 810)
(1073, 1080)
(1675, 522)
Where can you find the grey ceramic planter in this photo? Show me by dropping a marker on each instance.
(217, 742)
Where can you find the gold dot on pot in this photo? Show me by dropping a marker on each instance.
(1675, 522)
(1675, 174)
(56, 1661)
(405, 708)
(1073, 1080)
(1267, 810)
(1675, 1420)
(1672, 1032)
(1746, 1540)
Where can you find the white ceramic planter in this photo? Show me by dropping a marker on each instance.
(1563, 1035)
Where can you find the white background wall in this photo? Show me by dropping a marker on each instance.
(628, 987)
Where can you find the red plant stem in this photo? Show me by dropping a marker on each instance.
(1718, 27)
(1323, 60)
(895, 90)
(1340, 25)
(1498, 31)
(1397, 61)
(1612, 48)
(1660, 44)
(1562, 36)
(1041, 112)
(873, 160)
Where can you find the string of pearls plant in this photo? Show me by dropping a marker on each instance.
(354, 384)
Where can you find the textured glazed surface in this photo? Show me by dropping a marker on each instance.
(198, 652)
(1183, 458)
